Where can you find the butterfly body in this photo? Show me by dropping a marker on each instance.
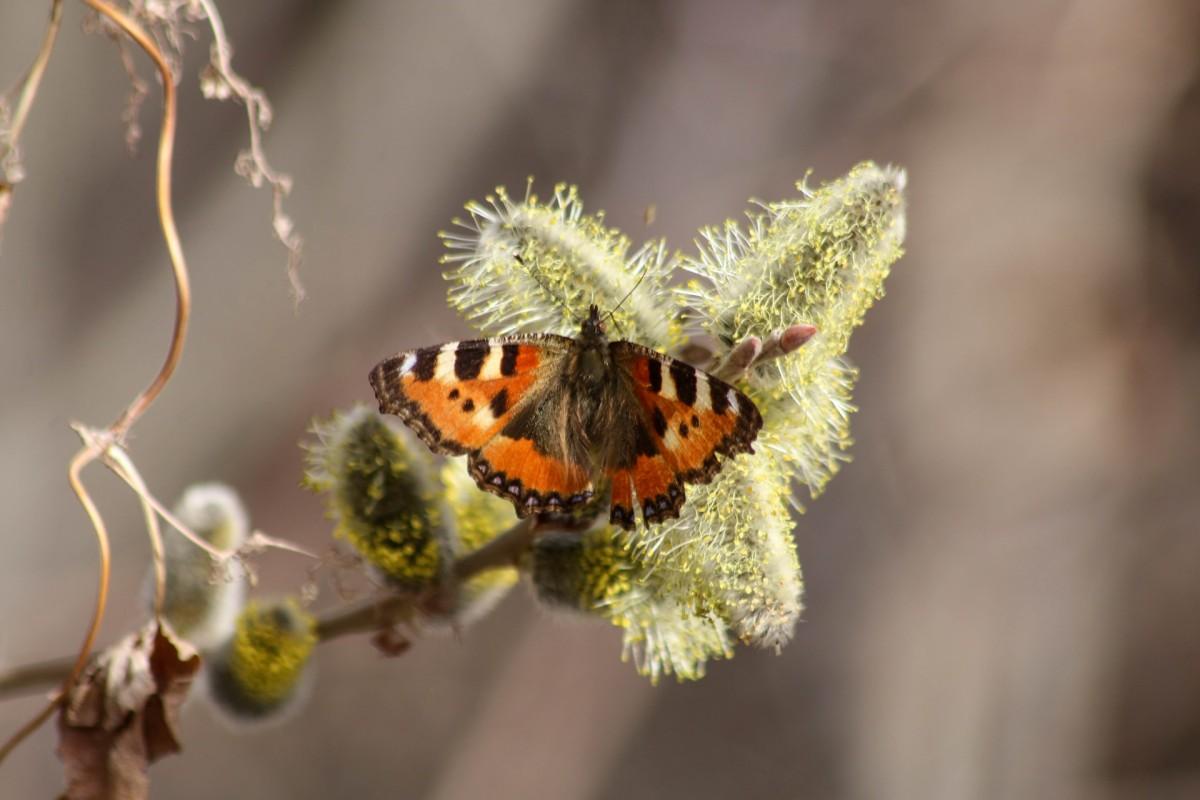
(547, 421)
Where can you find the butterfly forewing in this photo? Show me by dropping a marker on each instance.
(692, 418)
(476, 397)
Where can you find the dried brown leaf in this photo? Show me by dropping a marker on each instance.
(120, 716)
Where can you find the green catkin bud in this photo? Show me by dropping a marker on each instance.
(529, 267)
(478, 517)
(262, 671)
(599, 574)
(383, 495)
(201, 604)
(581, 571)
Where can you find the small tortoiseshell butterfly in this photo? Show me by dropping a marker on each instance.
(544, 420)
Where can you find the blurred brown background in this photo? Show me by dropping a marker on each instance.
(1003, 588)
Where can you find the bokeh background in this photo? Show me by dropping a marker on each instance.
(1003, 588)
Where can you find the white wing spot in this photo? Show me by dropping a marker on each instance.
(410, 361)
(483, 417)
(491, 364)
(668, 384)
(444, 371)
(703, 392)
(733, 403)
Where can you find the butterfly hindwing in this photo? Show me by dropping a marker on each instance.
(478, 398)
(690, 418)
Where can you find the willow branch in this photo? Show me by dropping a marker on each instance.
(505, 550)
(35, 677)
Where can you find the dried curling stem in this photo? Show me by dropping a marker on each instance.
(97, 445)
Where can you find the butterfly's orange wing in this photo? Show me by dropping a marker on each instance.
(459, 398)
(690, 418)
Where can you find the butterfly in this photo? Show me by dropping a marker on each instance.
(548, 421)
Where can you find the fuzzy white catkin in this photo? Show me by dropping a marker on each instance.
(201, 605)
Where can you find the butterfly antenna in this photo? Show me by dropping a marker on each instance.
(642, 277)
(538, 280)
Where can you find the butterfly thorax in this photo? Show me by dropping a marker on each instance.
(593, 365)
(593, 385)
